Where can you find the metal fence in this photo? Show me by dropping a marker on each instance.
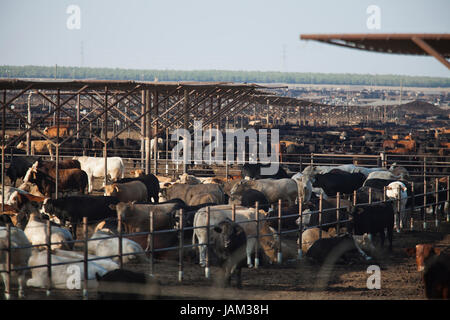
(412, 212)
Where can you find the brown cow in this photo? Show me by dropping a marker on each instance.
(128, 191)
(68, 179)
(436, 270)
(37, 146)
(52, 131)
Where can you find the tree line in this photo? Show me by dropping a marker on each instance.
(220, 75)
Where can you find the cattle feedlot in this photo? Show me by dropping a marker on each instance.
(94, 208)
(345, 277)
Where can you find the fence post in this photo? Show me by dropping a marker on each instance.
(181, 245)
(398, 223)
(85, 260)
(338, 212)
(320, 215)
(8, 262)
(413, 204)
(448, 198)
(300, 228)
(207, 271)
(151, 243)
(424, 203)
(119, 238)
(233, 212)
(257, 235)
(436, 195)
(226, 169)
(280, 254)
(48, 239)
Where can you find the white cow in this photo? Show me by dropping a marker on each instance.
(19, 257)
(397, 190)
(274, 189)
(109, 247)
(36, 232)
(304, 185)
(69, 275)
(95, 168)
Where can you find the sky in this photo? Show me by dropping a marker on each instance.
(250, 35)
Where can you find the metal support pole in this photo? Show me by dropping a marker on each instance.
(8, 262)
(424, 204)
(119, 238)
(85, 259)
(280, 254)
(48, 240)
(180, 248)
(448, 199)
(436, 205)
(338, 212)
(28, 126)
(78, 115)
(58, 117)
(300, 228)
(208, 213)
(257, 235)
(320, 215)
(105, 135)
(413, 204)
(3, 149)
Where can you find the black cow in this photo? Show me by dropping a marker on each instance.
(249, 199)
(121, 284)
(289, 216)
(229, 243)
(339, 181)
(73, 209)
(436, 277)
(333, 250)
(253, 171)
(378, 183)
(373, 219)
(310, 214)
(19, 167)
(150, 181)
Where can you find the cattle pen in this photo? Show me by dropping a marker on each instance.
(431, 226)
(98, 112)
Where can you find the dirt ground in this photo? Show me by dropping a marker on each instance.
(293, 279)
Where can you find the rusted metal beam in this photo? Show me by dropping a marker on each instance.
(431, 51)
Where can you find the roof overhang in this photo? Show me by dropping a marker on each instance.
(433, 44)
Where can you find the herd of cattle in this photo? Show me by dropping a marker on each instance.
(228, 220)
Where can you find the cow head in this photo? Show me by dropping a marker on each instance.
(111, 190)
(21, 145)
(231, 235)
